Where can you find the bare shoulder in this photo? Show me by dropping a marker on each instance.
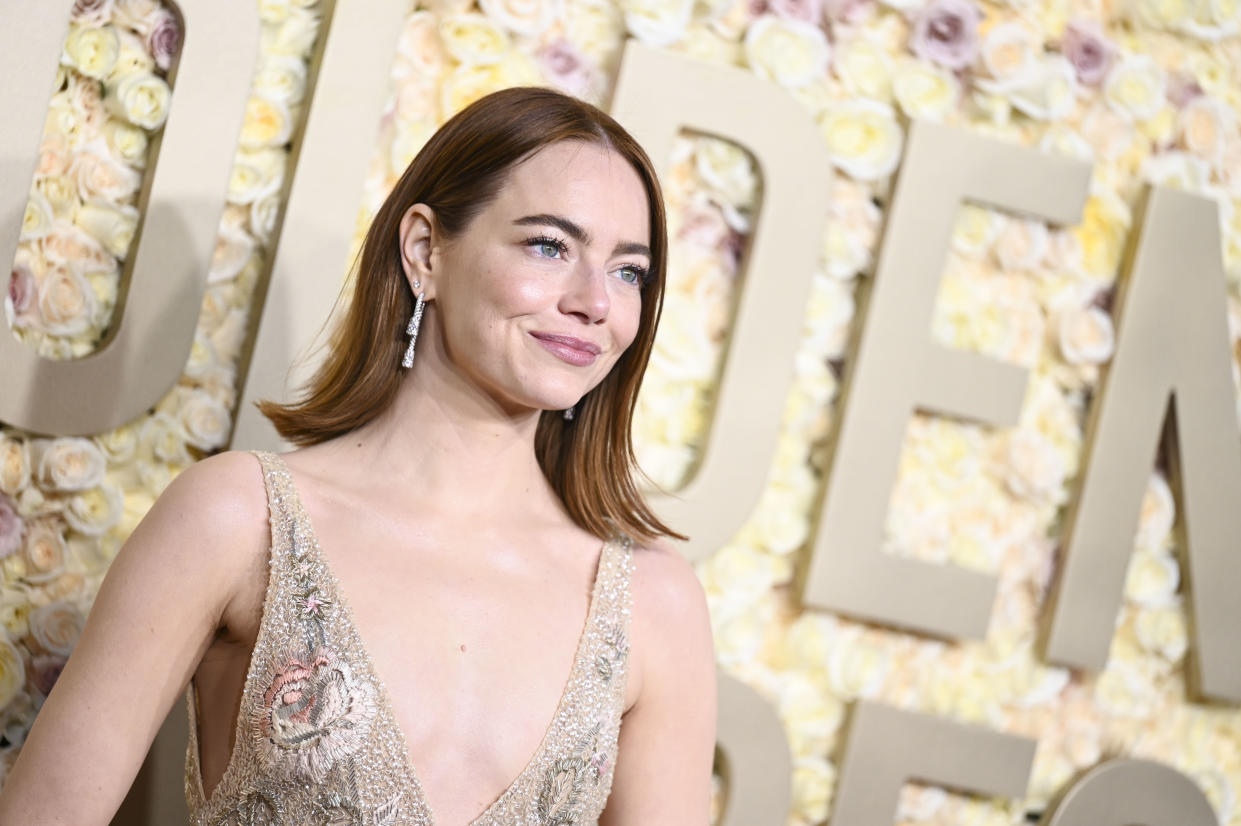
(672, 621)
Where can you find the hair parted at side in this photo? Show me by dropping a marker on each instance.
(588, 460)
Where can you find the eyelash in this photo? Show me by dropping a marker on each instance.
(643, 274)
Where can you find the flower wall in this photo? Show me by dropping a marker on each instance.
(1145, 90)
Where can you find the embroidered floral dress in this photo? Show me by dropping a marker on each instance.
(316, 739)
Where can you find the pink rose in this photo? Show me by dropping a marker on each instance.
(566, 67)
(946, 32)
(1182, 88)
(164, 41)
(22, 292)
(92, 12)
(46, 672)
(10, 527)
(846, 11)
(1090, 52)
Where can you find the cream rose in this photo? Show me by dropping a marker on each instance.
(789, 52)
(1204, 125)
(141, 99)
(256, 173)
(1009, 54)
(118, 445)
(282, 77)
(975, 230)
(1157, 515)
(857, 666)
(473, 39)
(1162, 631)
(865, 67)
(657, 22)
(38, 218)
(597, 27)
(70, 463)
(1134, 89)
(814, 780)
(56, 627)
(133, 58)
(14, 465)
(1034, 468)
(92, 51)
(863, 138)
(1022, 244)
(99, 177)
(263, 214)
(294, 35)
(44, 551)
(163, 437)
(268, 122)
(925, 90)
(205, 421)
(112, 226)
(62, 195)
(137, 14)
(202, 355)
(527, 18)
(420, 54)
(1152, 579)
(1086, 336)
(66, 302)
(233, 248)
(12, 671)
(127, 143)
(1049, 92)
(727, 170)
(93, 512)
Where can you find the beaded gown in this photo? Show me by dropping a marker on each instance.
(316, 740)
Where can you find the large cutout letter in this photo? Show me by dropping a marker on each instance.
(166, 272)
(310, 263)
(758, 767)
(1172, 340)
(658, 94)
(895, 369)
(1132, 793)
(887, 747)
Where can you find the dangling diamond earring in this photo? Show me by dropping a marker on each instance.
(568, 413)
(412, 329)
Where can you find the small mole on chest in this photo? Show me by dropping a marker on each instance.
(463, 646)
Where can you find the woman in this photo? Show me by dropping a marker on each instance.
(465, 453)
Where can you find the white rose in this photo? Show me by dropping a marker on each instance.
(814, 780)
(205, 421)
(1152, 578)
(527, 18)
(162, 437)
(99, 177)
(263, 213)
(127, 143)
(294, 35)
(975, 230)
(112, 226)
(1177, 169)
(1162, 631)
(857, 666)
(44, 551)
(1049, 91)
(1034, 467)
(38, 218)
(14, 465)
(137, 14)
(473, 39)
(865, 68)
(1009, 54)
(70, 463)
(920, 802)
(91, 51)
(1062, 139)
(256, 173)
(657, 22)
(118, 445)
(1204, 126)
(790, 52)
(1134, 88)
(141, 99)
(233, 248)
(282, 77)
(926, 91)
(781, 520)
(133, 58)
(597, 27)
(828, 314)
(1086, 335)
(863, 138)
(66, 302)
(93, 512)
(61, 193)
(1022, 244)
(419, 51)
(727, 170)
(56, 627)
(12, 670)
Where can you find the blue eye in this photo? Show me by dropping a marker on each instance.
(638, 276)
(543, 243)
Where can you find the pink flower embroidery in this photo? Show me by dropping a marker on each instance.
(315, 713)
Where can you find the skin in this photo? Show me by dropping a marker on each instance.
(498, 607)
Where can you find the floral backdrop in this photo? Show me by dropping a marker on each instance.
(1146, 90)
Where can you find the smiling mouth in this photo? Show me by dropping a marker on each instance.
(572, 350)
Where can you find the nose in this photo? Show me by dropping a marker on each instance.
(586, 294)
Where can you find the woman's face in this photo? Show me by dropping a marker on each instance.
(539, 296)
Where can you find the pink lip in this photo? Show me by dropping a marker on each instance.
(573, 350)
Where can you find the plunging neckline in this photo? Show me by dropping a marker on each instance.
(384, 701)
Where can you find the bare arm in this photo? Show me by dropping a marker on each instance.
(667, 739)
(155, 615)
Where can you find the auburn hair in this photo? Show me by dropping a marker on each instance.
(588, 460)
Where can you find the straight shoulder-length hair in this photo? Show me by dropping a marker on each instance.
(589, 460)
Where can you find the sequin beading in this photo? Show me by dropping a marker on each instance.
(316, 740)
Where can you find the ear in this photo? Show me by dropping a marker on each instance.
(419, 243)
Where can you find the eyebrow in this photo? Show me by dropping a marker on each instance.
(577, 233)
